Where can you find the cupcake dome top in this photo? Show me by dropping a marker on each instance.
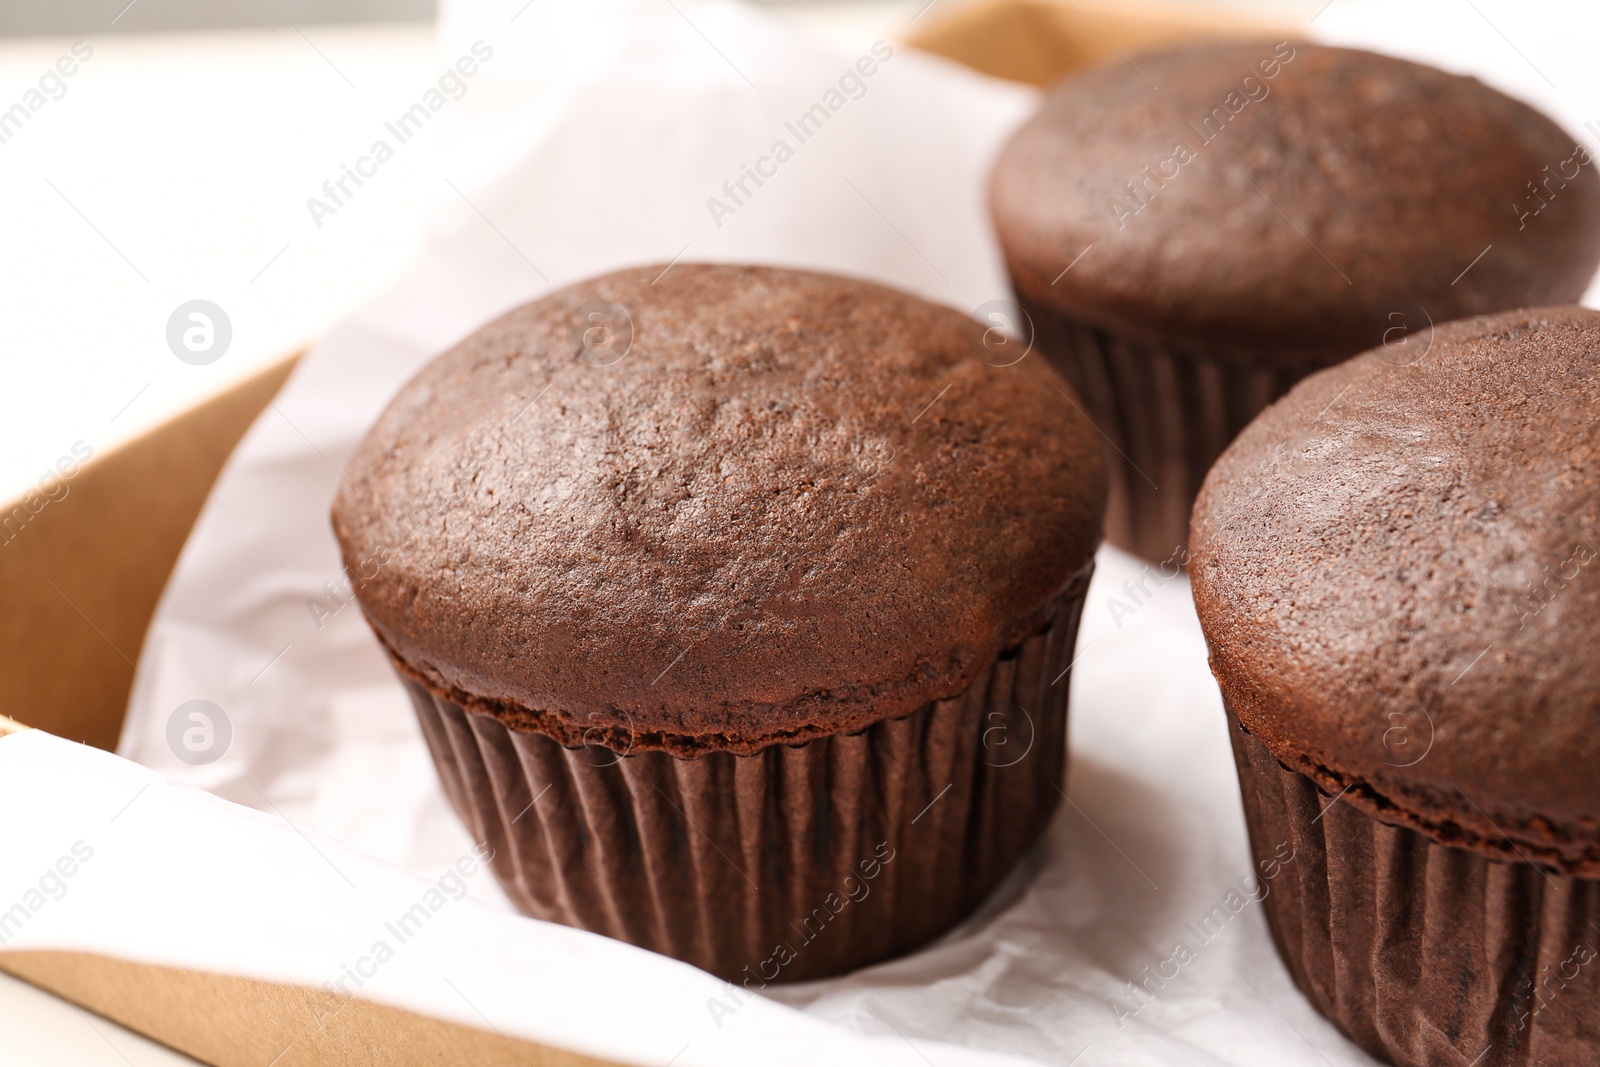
(1290, 200)
(1397, 568)
(718, 505)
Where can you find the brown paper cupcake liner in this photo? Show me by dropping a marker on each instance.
(1424, 954)
(794, 862)
(1167, 411)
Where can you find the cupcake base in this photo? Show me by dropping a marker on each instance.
(1166, 413)
(791, 863)
(1424, 954)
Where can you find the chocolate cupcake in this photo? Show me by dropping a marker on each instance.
(736, 604)
(1395, 571)
(1189, 253)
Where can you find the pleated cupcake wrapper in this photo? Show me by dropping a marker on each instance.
(1168, 411)
(1424, 954)
(794, 862)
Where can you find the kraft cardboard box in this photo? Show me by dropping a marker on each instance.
(81, 586)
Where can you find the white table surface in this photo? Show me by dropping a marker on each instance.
(177, 167)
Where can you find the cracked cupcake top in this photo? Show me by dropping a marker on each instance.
(1397, 568)
(717, 507)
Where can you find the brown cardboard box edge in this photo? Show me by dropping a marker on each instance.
(1038, 41)
(242, 1022)
(84, 572)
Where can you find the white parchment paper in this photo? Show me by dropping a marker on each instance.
(593, 139)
